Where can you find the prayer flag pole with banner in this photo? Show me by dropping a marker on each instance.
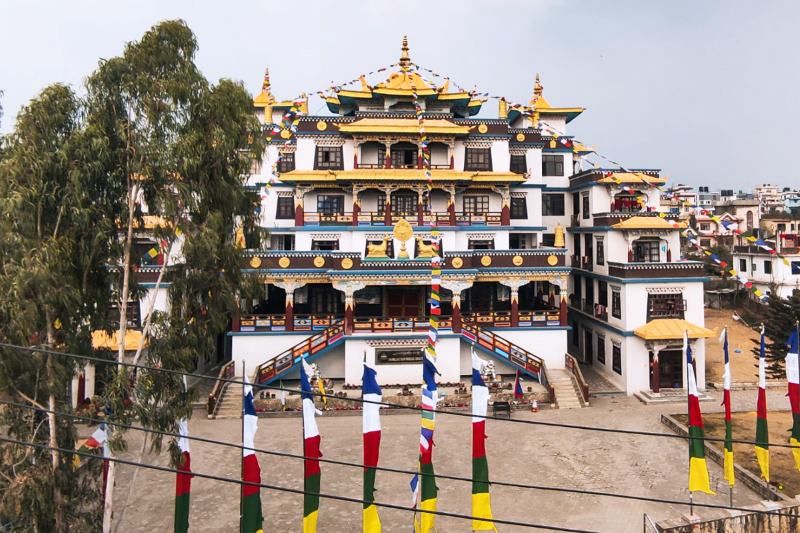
(726, 401)
(481, 502)
(762, 430)
(371, 426)
(793, 378)
(698, 469)
(311, 441)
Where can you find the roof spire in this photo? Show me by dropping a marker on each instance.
(537, 90)
(405, 60)
(265, 85)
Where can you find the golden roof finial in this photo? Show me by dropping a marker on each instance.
(537, 87)
(364, 85)
(405, 60)
(502, 108)
(265, 85)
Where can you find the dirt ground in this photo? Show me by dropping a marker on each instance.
(782, 469)
(620, 464)
(740, 344)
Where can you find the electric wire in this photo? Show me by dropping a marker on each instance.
(288, 489)
(528, 486)
(561, 425)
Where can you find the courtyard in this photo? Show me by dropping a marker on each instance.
(522, 453)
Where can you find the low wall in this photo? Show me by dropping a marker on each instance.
(786, 517)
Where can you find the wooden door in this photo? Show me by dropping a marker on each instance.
(402, 303)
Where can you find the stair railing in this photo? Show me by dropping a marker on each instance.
(284, 361)
(572, 365)
(225, 373)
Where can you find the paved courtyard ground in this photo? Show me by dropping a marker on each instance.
(617, 463)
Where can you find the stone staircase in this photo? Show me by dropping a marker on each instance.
(567, 395)
(230, 405)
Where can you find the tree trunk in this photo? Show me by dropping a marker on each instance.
(53, 425)
(123, 326)
(151, 307)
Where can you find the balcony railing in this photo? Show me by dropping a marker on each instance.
(678, 269)
(586, 262)
(377, 218)
(277, 322)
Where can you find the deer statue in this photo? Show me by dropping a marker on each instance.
(424, 250)
(378, 251)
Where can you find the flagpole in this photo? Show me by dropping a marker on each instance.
(689, 368)
(241, 461)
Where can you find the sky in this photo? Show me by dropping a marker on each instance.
(707, 91)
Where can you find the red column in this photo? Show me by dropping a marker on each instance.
(289, 310)
(235, 322)
(630, 255)
(451, 210)
(656, 375)
(356, 209)
(419, 160)
(355, 159)
(420, 213)
(505, 215)
(669, 255)
(514, 307)
(299, 216)
(456, 314)
(387, 211)
(388, 159)
(348, 314)
(452, 163)
(562, 311)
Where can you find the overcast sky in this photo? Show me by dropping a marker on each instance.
(706, 91)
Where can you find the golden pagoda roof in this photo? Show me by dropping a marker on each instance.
(538, 105)
(671, 329)
(399, 174)
(101, 340)
(632, 178)
(647, 223)
(402, 125)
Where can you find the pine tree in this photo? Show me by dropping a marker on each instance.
(780, 318)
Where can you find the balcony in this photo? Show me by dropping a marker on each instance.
(591, 308)
(614, 217)
(585, 262)
(378, 218)
(325, 260)
(679, 269)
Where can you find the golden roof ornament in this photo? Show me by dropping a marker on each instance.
(266, 87)
(502, 108)
(364, 85)
(537, 91)
(402, 232)
(558, 242)
(405, 60)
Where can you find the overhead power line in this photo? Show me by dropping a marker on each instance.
(560, 425)
(289, 489)
(528, 486)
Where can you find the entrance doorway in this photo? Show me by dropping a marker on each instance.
(670, 369)
(587, 345)
(402, 303)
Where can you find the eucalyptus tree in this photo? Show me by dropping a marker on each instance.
(54, 234)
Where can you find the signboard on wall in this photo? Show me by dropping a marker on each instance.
(398, 356)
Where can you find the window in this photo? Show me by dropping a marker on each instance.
(330, 204)
(285, 207)
(476, 205)
(552, 205)
(743, 265)
(616, 303)
(552, 165)
(519, 208)
(602, 293)
(381, 203)
(601, 349)
(325, 245)
(481, 244)
(549, 239)
(328, 158)
(286, 162)
(665, 306)
(404, 204)
(404, 155)
(282, 242)
(755, 266)
(576, 204)
(576, 336)
(518, 164)
(705, 226)
(585, 202)
(767, 267)
(616, 359)
(478, 159)
(601, 258)
(518, 241)
(795, 268)
(646, 251)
